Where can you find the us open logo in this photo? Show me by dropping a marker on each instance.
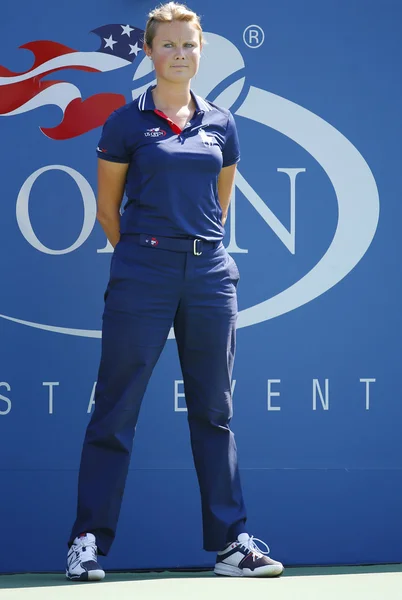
(222, 79)
(155, 132)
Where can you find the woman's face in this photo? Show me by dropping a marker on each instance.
(175, 51)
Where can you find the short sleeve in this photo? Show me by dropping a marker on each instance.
(112, 145)
(231, 149)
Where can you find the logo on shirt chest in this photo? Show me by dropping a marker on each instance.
(155, 132)
(207, 138)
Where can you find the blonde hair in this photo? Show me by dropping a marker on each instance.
(166, 13)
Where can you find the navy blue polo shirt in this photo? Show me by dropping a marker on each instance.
(171, 184)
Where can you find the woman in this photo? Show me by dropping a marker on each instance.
(175, 155)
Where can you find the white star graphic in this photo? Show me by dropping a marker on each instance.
(134, 49)
(109, 42)
(126, 30)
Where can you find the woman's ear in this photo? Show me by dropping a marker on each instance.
(147, 50)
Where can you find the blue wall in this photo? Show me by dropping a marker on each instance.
(319, 295)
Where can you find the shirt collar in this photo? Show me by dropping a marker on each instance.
(146, 102)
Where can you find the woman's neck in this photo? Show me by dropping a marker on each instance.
(171, 97)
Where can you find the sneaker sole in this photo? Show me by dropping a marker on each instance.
(95, 575)
(232, 571)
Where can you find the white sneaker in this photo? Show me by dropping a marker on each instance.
(82, 563)
(244, 558)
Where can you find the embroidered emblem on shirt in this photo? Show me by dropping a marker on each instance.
(155, 132)
(207, 138)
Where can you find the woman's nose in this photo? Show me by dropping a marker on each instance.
(179, 53)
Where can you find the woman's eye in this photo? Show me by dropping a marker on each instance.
(168, 45)
(189, 45)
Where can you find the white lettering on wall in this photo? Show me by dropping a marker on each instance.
(92, 399)
(367, 382)
(50, 385)
(324, 400)
(178, 383)
(5, 399)
(271, 394)
(24, 221)
(179, 394)
(287, 237)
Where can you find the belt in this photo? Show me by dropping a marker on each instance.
(194, 245)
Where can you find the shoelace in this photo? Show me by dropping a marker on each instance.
(90, 547)
(255, 550)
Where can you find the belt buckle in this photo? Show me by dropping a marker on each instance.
(195, 248)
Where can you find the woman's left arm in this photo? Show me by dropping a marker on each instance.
(225, 185)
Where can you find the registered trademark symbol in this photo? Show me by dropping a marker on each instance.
(253, 36)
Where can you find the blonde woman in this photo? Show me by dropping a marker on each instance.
(175, 155)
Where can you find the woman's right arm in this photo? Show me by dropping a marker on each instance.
(111, 182)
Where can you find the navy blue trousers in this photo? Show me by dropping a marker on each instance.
(149, 290)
